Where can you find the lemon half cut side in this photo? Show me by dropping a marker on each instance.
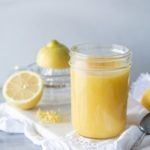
(23, 89)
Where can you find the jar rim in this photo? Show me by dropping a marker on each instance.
(115, 51)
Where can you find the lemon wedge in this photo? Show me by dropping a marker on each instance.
(53, 56)
(23, 89)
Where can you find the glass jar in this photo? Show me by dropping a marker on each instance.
(99, 89)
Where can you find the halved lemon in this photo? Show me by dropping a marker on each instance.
(23, 89)
(53, 56)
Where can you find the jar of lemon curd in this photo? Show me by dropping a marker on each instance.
(99, 89)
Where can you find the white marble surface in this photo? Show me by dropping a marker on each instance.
(16, 142)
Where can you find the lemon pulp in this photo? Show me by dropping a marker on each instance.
(23, 89)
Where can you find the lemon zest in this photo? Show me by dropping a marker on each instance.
(48, 116)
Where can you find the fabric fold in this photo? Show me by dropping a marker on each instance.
(72, 141)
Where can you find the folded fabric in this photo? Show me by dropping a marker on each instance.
(73, 141)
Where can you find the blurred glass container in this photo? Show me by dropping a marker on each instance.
(56, 82)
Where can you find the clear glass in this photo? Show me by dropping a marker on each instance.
(56, 84)
(99, 89)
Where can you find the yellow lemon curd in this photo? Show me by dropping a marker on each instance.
(99, 100)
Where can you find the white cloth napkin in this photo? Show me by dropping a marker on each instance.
(72, 141)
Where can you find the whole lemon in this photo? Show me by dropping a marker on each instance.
(53, 56)
(146, 99)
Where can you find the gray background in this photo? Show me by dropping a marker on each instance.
(26, 25)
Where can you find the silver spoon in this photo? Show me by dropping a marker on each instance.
(144, 126)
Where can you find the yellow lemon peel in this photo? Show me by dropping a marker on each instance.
(53, 56)
(146, 99)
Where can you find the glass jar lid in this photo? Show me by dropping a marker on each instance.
(88, 56)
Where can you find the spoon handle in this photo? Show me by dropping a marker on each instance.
(138, 142)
